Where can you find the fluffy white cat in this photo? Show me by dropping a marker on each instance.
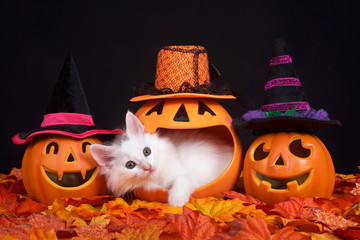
(177, 160)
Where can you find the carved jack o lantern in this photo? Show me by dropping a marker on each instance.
(205, 115)
(184, 102)
(56, 166)
(284, 161)
(57, 162)
(280, 165)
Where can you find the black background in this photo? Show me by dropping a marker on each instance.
(115, 43)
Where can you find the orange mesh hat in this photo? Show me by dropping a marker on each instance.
(182, 72)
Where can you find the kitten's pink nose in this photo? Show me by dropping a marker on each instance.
(147, 167)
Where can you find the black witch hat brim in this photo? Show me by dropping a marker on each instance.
(180, 95)
(74, 131)
(308, 120)
(276, 124)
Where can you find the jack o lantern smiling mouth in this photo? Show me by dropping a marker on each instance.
(279, 183)
(70, 179)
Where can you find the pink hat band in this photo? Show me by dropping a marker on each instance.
(63, 118)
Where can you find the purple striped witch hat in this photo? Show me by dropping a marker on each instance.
(285, 107)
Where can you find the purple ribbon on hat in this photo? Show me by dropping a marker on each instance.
(280, 60)
(280, 82)
(276, 107)
(320, 114)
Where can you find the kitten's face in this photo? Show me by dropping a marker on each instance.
(136, 156)
(130, 158)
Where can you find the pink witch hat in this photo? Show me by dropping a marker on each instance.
(68, 112)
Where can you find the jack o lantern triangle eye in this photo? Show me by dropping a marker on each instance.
(204, 108)
(181, 115)
(52, 146)
(158, 109)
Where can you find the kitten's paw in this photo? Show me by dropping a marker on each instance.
(177, 200)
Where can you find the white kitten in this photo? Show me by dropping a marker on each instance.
(178, 160)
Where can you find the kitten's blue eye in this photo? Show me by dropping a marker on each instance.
(147, 151)
(130, 165)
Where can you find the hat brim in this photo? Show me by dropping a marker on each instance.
(180, 95)
(285, 123)
(75, 131)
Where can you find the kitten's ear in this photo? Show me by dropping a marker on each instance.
(133, 124)
(102, 154)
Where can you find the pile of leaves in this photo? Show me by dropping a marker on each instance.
(235, 216)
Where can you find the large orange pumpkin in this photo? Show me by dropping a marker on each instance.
(56, 166)
(204, 114)
(284, 164)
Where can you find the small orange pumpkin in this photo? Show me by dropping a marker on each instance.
(193, 113)
(284, 164)
(56, 166)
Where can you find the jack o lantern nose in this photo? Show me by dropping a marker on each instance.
(181, 115)
(280, 161)
(70, 158)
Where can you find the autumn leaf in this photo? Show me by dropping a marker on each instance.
(30, 206)
(6, 220)
(336, 206)
(17, 231)
(348, 233)
(304, 225)
(116, 224)
(356, 190)
(100, 220)
(58, 209)
(66, 234)
(344, 183)
(85, 211)
(149, 230)
(40, 234)
(45, 222)
(353, 212)
(94, 200)
(14, 175)
(12, 182)
(16, 172)
(116, 207)
(136, 233)
(94, 231)
(322, 236)
(148, 210)
(292, 208)
(329, 219)
(192, 225)
(351, 177)
(287, 233)
(244, 197)
(73, 216)
(8, 200)
(131, 234)
(251, 228)
(223, 210)
(5, 179)
(75, 222)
